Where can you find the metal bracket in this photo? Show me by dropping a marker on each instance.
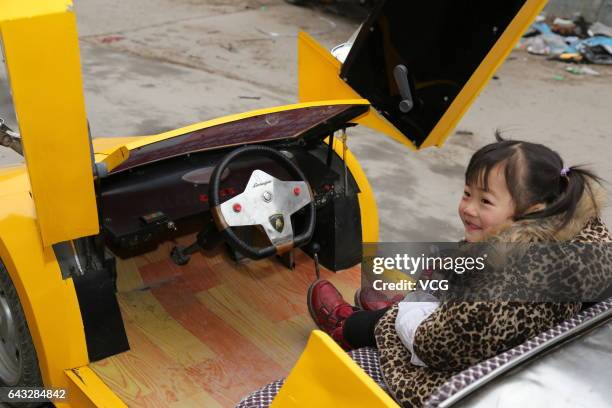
(9, 138)
(68, 259)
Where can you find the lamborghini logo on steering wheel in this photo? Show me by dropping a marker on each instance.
(278, 222)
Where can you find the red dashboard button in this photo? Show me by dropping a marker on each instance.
(237, 207)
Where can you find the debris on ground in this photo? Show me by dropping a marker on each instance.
(597, 50)
(546, 44)
(581, 70)
(229, 47)
(600, 29)
(539, 27)
(569, 40)
(111, 39)
(564, 27)
(571, 57)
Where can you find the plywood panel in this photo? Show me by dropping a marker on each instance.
(210, 332)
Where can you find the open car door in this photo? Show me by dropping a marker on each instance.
(48, 97)
(420, 64)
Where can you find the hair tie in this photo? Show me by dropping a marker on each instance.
(565, 171)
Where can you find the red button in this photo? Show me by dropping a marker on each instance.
(237, 207)
(297, 191)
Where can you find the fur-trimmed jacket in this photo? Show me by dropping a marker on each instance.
(458, 335)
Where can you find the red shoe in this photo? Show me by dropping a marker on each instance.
(327, 307)
(370, 299)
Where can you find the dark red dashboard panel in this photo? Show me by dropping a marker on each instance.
(315, 121)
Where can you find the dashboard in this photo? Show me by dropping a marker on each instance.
(146, 205)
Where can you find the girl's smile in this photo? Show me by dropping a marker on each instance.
(471, 226)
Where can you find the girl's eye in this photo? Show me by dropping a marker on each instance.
(485, 201)
(466, 194)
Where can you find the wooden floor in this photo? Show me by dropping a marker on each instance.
(208, 333)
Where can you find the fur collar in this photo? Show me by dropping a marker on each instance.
(547, 229)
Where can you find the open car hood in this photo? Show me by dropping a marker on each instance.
(422, 64)
(282, 123)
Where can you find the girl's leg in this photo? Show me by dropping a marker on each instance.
(333, 314)
(359, 327)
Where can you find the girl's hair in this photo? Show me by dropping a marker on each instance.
(534, 174)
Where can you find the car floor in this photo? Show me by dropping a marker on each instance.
(209, 333)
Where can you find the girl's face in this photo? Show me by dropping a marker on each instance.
(482, 211)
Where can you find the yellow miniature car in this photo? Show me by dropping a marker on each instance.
(124, 262)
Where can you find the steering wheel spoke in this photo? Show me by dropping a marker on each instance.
(269, 202)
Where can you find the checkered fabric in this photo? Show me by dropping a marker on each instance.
(263, 397)
(366, 358)
(474, 373)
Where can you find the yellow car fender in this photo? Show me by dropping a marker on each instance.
(49, 302)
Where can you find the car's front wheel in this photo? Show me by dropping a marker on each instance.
(18, 361)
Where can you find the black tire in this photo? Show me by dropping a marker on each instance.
(28, 374)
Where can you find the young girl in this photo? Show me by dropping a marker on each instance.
(515, 192)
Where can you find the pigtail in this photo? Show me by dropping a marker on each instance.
(573, 183)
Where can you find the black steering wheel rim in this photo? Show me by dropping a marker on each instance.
(226, 231)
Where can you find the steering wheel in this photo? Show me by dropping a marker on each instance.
(266, 201)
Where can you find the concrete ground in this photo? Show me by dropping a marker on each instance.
(153, 65)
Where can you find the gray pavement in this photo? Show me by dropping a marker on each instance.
(150, 66)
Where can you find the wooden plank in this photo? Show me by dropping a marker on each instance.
(280, 341)
(128, 276)
(211, 332)
(141, 310)
(146, 376)
(238, 364)
(201, 399)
